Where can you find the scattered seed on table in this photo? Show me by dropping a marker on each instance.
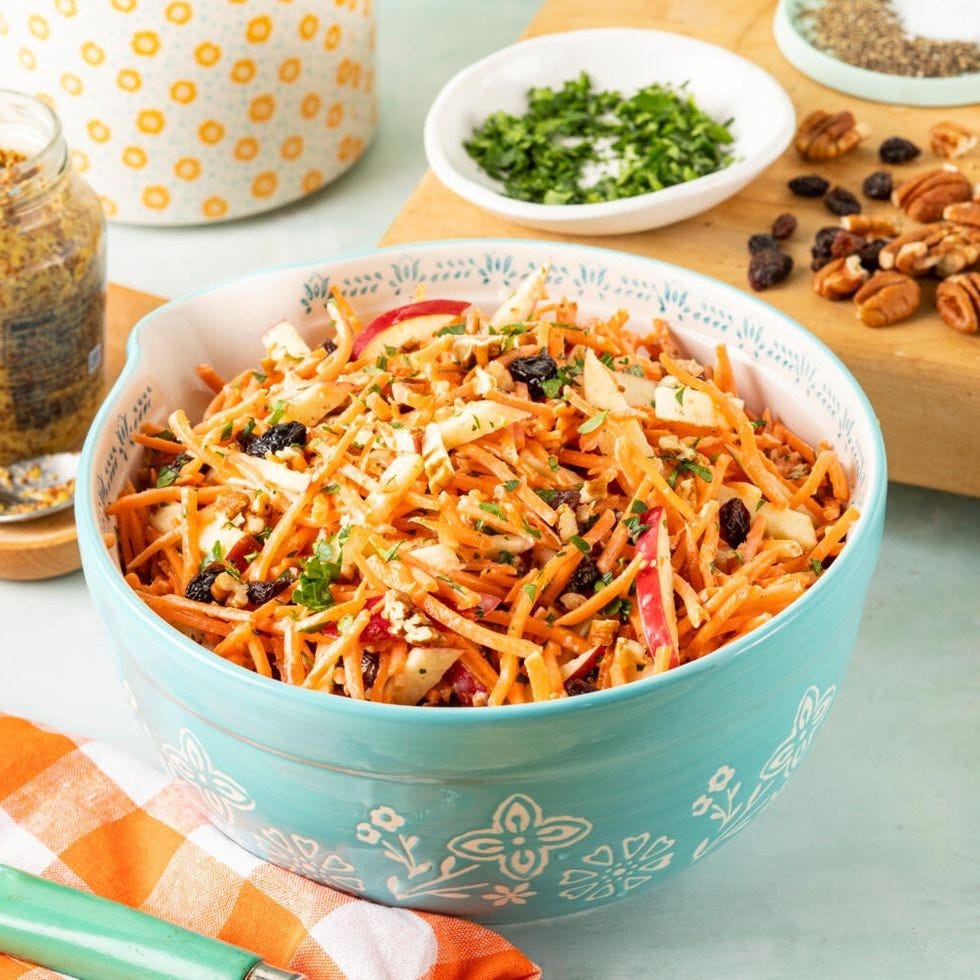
(808, 185)
(768, 268)
(841, 201)
(783, 226)
(878, 186)
(868, 253)
(759, 243)
(897, 149)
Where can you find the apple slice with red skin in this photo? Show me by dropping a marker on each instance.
(655, 585)
(415, 321)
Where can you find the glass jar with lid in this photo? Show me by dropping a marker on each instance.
(52, 287)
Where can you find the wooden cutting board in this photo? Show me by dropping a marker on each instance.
(922, 377)
(49, 546)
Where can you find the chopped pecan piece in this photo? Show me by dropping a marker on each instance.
(867, 224)
(939, 248)
(925, 196)
(964, 213)
(826, 136)
(958, 302)
(950, 139)
(839, 278)
(886, 298)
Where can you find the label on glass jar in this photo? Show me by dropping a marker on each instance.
(50, 359)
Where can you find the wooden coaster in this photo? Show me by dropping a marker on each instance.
(48, 546)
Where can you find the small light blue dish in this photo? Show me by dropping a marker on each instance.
(501, 814)
(875, 86)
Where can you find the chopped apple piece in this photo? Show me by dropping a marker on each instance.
(478, 419)
(790, 525)
(655, 584)
(219, 530)
(398, 476)
(432, 314)
(674, 402)
(638, 391)
(311, 403)
(283, 340)
(520, 304)
(438, 466)
(423, 669)
(260, 470)
(599, 385)
(166, 517)
(439, 558)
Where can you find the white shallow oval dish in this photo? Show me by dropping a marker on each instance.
(876, 86)
(723, 84)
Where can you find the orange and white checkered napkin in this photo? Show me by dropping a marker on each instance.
(89, 816)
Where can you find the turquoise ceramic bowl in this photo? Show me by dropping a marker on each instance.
(512, 813)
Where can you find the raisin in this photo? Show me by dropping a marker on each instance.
(579, 685)
(329, 346)
(809, 185)
(369, 668)
(783, 226)
(735, 521)
(586, 574)
(822, 243)
(261, 592)
(841, 201)
(277, 438)
(769, 267)
(868, 253)
(532, 371)
(759, 243)
(878, 186)
(845, 243)
(199, 587)
(897, 149)
(558, 497)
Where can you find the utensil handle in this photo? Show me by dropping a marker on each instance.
(93, 938)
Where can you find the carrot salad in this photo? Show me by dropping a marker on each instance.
(441, 507)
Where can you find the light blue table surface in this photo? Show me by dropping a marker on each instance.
(868, 866)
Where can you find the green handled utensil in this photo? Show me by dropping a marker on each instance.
(93, 938)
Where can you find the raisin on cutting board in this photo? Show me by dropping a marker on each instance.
(759, 243)
(769, 268)
(840, 200)
(878, 186)
(809, 185)
(897, 149)
(783, 226)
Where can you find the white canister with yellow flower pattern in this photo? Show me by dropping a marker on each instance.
(187, 111)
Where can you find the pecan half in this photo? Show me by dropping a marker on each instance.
(958, 302)
(964, 213)
(839, 278)
(886, 298)
(876, 226)
(938, 248)
(826, 136)
(925, 196)
(950, 139)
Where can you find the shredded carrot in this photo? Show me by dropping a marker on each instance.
(478, 494)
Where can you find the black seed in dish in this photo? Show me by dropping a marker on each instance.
(735, 521)
(586, 574)
(262, 592)
(277, 438)
(199, 587)
(532, 371)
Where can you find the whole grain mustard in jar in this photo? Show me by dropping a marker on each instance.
(52, 287)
